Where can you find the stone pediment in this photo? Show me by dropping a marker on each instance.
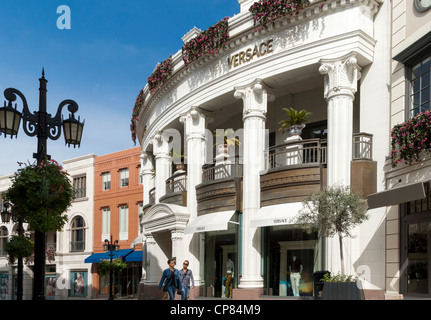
(164, 217)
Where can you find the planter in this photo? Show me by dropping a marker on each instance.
(342, 291)
(295, 130)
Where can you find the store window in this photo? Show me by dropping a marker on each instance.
(415, 252)
(222, 269)
(291, 256)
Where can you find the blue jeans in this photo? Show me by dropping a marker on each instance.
(185, 293)
(171, 292)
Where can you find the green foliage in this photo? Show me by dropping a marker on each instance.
(117, 265)
(339, 278)
(209, 41)
(410, 138)
(334, 210)
(41, 194)
(18, 246)
(267, 11)
(294, 118)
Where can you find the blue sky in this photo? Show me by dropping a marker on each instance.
(101, 62)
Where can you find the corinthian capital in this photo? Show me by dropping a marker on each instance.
(341, 75)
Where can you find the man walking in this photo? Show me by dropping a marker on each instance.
(186, 275)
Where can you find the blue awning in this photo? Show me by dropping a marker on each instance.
(134, 256)
(98, 257)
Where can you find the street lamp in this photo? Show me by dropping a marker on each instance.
(44, 126)
(6, 216)
(111, 247)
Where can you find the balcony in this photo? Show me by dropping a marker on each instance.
(294, 170)
(221, 187)
(176, 189)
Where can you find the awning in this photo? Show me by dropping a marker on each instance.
(98, 257)
(276, 215)
(135, 256)
(209, 222)
(406, 193)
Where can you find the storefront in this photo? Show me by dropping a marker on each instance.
(124, 284)
(415, 246)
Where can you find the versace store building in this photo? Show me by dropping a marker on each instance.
(226, 204)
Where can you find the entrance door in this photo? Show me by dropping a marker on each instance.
(415, 265)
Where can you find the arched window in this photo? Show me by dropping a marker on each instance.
(77, 241)
(3, 240)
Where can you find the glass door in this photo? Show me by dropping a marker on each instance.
(417, 258)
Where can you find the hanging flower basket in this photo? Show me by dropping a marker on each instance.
(139, 104)
(117, 265)
(160, 75)
(208, 42)
(18, 246)
(41, 194)
(411, 138)
(267, 11)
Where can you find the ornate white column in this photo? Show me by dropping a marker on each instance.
(255, 97)
(341, 77)
(147, 167)
(178, 247)
(194, 122)
(163, 163)
(340, 86)
(194, 131)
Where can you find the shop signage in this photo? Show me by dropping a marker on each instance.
(249, 54)
(277, 221)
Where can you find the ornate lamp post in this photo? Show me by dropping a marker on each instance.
(111, 247)
(6, 216)
(44, 126)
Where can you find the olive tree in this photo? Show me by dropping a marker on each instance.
(333, 211)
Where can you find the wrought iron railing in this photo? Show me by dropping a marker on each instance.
(362, 146)
(211, 172)
(177, 183)
(295, 153)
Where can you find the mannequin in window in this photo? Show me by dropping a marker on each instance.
(295, 269)
(229, 276)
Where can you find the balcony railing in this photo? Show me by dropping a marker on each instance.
(77, 246)
(294, 153)
(362, 146)
(152, 195)
(212, 172)
(177, 183)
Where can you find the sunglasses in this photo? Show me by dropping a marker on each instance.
(186, 264)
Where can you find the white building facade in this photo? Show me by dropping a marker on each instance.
(235, 206)
(66, 274)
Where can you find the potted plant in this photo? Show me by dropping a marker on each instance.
(295, 121)
(342, 287)
(334, 211)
